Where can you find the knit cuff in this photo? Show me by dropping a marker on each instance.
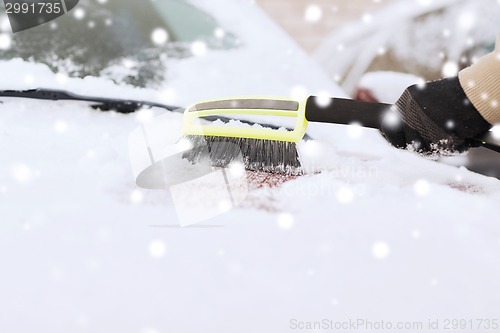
(481, 83)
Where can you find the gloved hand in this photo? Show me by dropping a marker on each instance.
(435, 118)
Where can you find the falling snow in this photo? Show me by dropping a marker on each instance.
(61, 126)
(88, 241)
(23, 173)
(136, 196)
(5, 41)
(159, 36)
(157, 249)
(219, 33)
(199, 48)
(79, 13)
(313, 13)
(422, 187)
(345, 195)
(299, 92)
(285, 221)
(381, 250)
(450, 69)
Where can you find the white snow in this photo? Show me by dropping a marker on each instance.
(387, 86)
(83, 249)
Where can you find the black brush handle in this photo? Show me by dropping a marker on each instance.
(347, 111)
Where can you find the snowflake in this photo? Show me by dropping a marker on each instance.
(236, 169)
(198, 48)
(5, 41)
(285, 221)
(313, 13)
(391, 119)
(219, 33)
(355, 130)
(299, 92)
(136, 196)
(159, 36)
(381, 250)
(422, 187)
(157, 249)
(415, 234)
(79, 13)
(323, 99)
(61, 126)
(345, 195)
(466, 20)
(23, 173)
(367, 18)
(450, 68)
(450, 124)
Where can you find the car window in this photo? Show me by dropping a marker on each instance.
(186, 23)
(97, 38)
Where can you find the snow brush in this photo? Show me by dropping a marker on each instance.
(269, 149)
(105, 104)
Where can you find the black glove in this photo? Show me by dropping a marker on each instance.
(434, 118)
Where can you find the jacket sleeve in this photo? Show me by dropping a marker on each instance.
(481, 85)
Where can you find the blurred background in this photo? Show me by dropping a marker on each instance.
(376, 48)
(428, 39)
(310, 22)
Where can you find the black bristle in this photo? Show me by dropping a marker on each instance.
(257, 155)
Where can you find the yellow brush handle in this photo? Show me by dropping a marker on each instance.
(192, 127)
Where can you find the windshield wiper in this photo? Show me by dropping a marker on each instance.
(99, 103)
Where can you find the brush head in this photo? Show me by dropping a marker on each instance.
(260, 148)
(256, 155)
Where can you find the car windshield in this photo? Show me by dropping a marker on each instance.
(100, 38)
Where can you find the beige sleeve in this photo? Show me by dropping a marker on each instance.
(481, 83)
